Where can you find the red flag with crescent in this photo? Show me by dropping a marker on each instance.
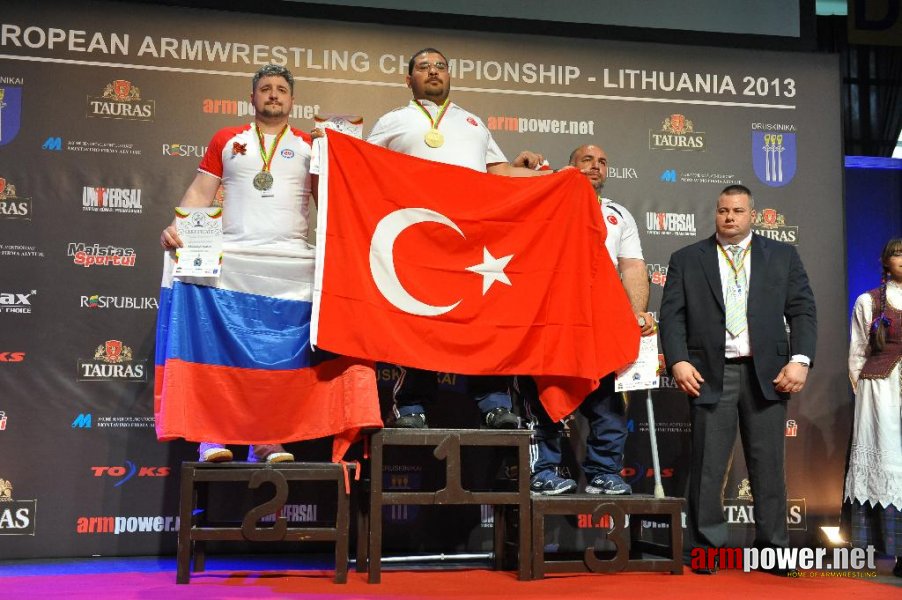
(445, 268)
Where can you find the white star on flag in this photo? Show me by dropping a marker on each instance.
(491, 269)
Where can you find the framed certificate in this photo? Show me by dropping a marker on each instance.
(201, 233)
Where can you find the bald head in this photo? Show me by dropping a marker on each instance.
(591, 162)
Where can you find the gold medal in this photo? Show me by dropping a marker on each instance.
(263, 180)
(434, 138)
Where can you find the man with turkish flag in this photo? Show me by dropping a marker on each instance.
(444, 268)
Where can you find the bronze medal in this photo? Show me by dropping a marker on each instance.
(263, 181)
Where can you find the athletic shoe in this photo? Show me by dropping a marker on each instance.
(414, 421)
(214, 453)
(610, 484)
(501, 418)
(268, 453)
(549, 483)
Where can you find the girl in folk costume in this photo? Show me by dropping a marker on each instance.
(873, 488)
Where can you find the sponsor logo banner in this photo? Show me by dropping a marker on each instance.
(771, 224)
(124, 473)
(11, 205)
(186, 150)
(21, 251)
(667, 223)
(721, 179)
(540, 125)
(17, 517)
(120, 99)
(86, 255)
(12, 357)
(16, 302)
(676, 133)
(55, 144)
(88, 421)
(112, 361)
(107, 199)
(740, 511)
(117, 525)
(244, 108)
(119, 302)
(618, 172)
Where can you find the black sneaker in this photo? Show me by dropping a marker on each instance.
(549, 483)
(414, 421)
(610, 484)
(501, 418)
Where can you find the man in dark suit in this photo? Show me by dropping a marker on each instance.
(728, 303)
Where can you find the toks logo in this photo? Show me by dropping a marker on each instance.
(112, 362)
(103, 256)
(129, 471)
(11, 206)
(12, 357)
(121, 100)
(676, 133)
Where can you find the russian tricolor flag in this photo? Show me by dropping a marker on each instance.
(234, 362)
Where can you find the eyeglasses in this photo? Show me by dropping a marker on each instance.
(424, 66)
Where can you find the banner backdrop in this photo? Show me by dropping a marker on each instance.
(106, 109)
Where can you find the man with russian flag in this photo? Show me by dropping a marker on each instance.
(234, 363)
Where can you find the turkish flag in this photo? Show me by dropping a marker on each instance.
(445, 268)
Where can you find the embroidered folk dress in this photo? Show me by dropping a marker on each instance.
(873, 483)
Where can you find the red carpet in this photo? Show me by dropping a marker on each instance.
(437, 585)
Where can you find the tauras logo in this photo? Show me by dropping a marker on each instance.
(106, 199)
(676, 133)
(771, 224)
(12, 206)
(112, 361)
(14, 302)
(104, 256)
(121, 99)
(120, 302)
(16, 516)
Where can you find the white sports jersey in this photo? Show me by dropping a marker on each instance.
(275, 218)
(468, 142)
(623, 235)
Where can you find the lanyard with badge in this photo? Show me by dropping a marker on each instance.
(737, 266)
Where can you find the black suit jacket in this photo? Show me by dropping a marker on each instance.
(693, 320)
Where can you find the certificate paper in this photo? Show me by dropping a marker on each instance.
(642, 374)
(201, 233)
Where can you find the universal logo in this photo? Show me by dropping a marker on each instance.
(120, 99)
(11, 206)
(676, 133)
(667, 223)
(106, 200)
(112, 361)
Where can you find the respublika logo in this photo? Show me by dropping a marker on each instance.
(120, 99)
(12, 206)
(95, 301)
(774, 152)
(16, 302)
(112, 361)
(676, 133)
(128, 471)
(17, 517)
(10, 108)
(771, 224)
(86, 255)
(618, 172)
(186, 150)
(107, 199)
(667, 223)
